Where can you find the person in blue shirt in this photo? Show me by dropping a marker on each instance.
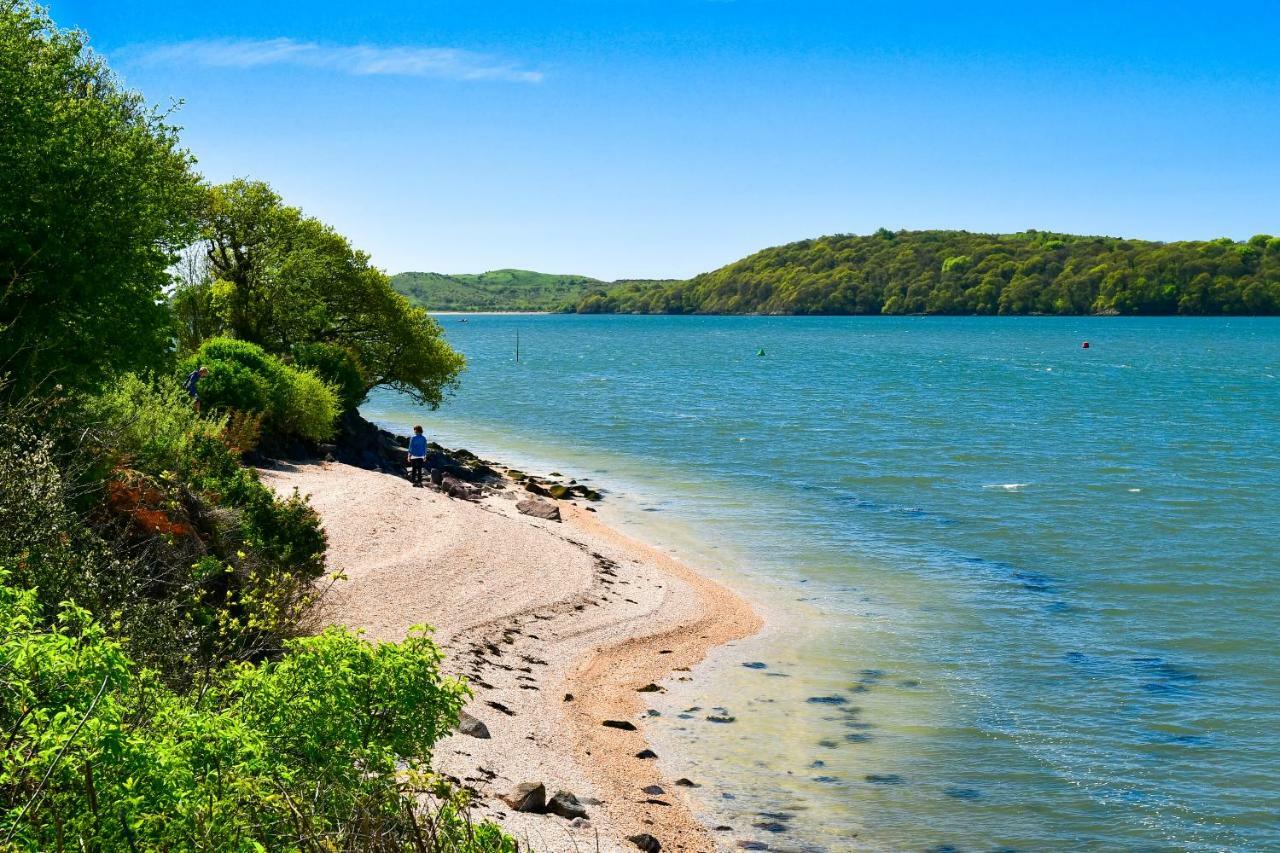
(417, 456)
(192, 381)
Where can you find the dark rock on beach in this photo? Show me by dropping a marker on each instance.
(721, 718)
(528, 797)
(756, 664)
(687, 783)
(646, 753)
(539, 509)
(653, 790)
(469, 725)
(645, 842)
(648, 688)
(619, 724)
(566, 805)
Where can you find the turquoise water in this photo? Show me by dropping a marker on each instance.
(1023, 594)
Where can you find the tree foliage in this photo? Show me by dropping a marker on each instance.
(283, 281)
(956, 272)
(96, 196)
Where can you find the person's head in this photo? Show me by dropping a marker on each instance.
(204, 371)
(417, 430)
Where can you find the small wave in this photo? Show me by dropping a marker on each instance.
(1008, 487)
(1135, 491)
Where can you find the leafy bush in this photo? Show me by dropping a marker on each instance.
(326, 749)
(338, 366)
(147, 427)
(243, 377)
(147, 518)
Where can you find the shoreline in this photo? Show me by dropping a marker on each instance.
(531, 611)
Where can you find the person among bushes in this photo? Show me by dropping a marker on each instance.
(191, 385)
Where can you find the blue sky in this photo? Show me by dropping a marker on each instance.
(620, 138)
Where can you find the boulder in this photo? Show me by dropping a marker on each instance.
(566, 805)
(559, 492)
(528, 797)
(539, 509)
(537, 489)
(469, 725)
(645, 842)
(455, 488)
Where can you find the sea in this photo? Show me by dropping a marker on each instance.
(1020, 593)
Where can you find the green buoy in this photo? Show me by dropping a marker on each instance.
(760, 351)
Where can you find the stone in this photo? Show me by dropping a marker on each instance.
(528, 797)
(646, 753)
(756, 664)
(653, 790)
(566, 805)
(645, 842)
(720, 718)
(619, 724)
(648, 688)
(687, 783)
(536, 488)
(469, 725)
(455, 488)
(752, 845)
(568, 697)
(539, 509)
(559, 492)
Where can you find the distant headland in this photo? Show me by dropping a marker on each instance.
(909, 272)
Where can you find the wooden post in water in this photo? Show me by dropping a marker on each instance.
(517, 344)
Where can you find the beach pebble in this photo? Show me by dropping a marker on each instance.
(469, 725)
(648, 688)
(566, 805)
(619, 724)
(752, 845)
(646, 753)
(527, 797)
(687, 783)
(653, 790)
(720, 718)
(645, 842)
(539, 509)
(756, 664)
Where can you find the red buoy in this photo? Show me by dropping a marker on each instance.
(1084, 345)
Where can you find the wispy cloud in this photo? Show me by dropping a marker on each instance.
(361, 59)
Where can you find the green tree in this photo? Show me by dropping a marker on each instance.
(284, 281)
(96, 197)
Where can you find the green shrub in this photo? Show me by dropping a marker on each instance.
(146, 426)
(336, 365)
(326, 749)
(243, 377)
(160, 531)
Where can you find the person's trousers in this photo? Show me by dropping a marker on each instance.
(415, 471)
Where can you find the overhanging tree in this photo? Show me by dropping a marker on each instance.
(285, 281)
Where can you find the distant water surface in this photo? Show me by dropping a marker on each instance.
(1023, 595)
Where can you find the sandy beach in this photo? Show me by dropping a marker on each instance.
(557, 625)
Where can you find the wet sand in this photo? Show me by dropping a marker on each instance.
(531, 612)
